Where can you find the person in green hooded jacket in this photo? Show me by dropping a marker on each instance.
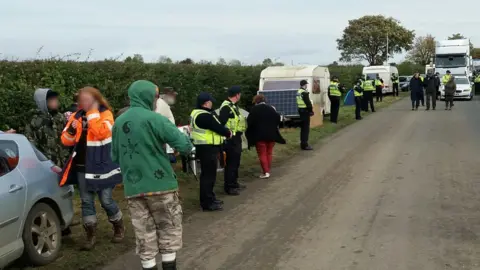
(150, 184)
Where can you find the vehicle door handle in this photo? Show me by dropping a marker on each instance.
(14, 188)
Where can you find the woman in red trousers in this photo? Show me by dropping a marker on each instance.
(263, 132)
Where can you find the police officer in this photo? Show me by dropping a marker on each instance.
(231, 117)
(368, 88)
(334, 94)
(476, 81)
(305, 110)
(379, 88)
(207, 134)
(446, 77)
(395, 82)
(358, 92)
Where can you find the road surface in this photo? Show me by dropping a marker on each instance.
(400, 190)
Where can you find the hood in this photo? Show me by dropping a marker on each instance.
(40, 98)
(142, 94)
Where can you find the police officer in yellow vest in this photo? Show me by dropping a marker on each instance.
(358, 92)
(368, 88)
(446, 77)
(231, 117)
(379, 88)
(395, 81)
(305, 110)
(208, 135)
(476, 81)
(334, 94)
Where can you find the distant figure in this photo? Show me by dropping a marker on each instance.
(395, 81)
(416, 91)
(368, 88)
(305, 110)
(379, 88)
(450, 88)
(358, 92)
(430, 83)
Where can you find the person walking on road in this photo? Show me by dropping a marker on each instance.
(379, 88)
(334, 94)
(305, 110)
(438, 83)
(358, 93)
(232, 118)
(262, 132)
(416, 91)
(368, 88)
(207, 135)
(430, 83)
(476, 81)
(450, 88)
(89, 133)
(150, 184)
(395, 81)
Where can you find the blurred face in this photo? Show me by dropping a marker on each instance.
(86, 100)
(208, 104)
(170, 99)
(52, 103)
(416, 75)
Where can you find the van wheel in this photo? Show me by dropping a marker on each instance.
(42, 235)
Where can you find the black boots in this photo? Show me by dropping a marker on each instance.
(91, 236)
(118, 231)
(169, 265)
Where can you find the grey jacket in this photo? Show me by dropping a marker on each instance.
(450, 88)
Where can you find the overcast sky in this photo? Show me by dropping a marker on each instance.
(302, 31)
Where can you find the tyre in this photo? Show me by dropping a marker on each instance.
(42, 235)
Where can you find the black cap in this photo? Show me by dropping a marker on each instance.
(303, 82)
(204, 97)
(232, 91)
(334, 78)
(52, 94)
(448, 71)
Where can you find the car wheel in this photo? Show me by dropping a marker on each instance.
(42, 235)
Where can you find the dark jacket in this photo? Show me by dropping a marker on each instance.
(416, 88)
(450, 87)
(308, 102)
(430, 83)
(263, 122)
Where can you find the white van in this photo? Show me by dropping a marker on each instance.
(279, 84)
(385, 73)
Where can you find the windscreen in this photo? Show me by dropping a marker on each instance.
(461, 81)
(371, 76)
(403, 79)
(450, 61)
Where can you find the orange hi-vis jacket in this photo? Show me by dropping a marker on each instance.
(100, 171)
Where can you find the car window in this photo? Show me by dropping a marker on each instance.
(461, 81)
(39, 154)
(8, 156)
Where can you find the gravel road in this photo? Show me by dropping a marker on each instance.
(399, 190)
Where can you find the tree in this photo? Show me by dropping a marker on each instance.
(476, 53)
(136, 58)
(267, 62)
(334, 64)
(423, 50)
(366, 39)
(278, 64)
(204, 62)
(235, 63)
(187, 61)
(165, 60)
(460, 36)
(221, 61)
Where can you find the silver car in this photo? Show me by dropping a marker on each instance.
(34, 209)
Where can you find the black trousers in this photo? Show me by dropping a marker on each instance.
(477, 87)
(304, 127)
(379, 93)
(432, 97)
(233, 151)
(422, 98)
(208, 155)
(358, 107)
(395, 89)
(368, 98)
(334, 108)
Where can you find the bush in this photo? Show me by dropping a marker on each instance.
(18, 81)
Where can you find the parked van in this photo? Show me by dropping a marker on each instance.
(279, 84)
(385, 73)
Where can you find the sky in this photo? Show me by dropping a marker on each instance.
(298, 32)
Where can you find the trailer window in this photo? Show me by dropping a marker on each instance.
(450, 61)
(281, 85)
(371, 76)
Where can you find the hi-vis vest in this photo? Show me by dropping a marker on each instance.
(237, 124)
(395, 79)
(446, 78)
(357, 94)
(477, 79)
(421, 78)
(300, 103)
(378, 83)
(368, 85)
(334, 91)
(202, 136)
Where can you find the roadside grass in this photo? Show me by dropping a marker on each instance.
(73, 258)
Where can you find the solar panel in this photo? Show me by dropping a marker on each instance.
(284, 101)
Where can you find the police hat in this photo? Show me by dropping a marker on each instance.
(448, 72)
(204, 97)
(303, 82)
(232, 91)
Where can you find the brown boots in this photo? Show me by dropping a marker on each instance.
(118, 231)
(91, 234)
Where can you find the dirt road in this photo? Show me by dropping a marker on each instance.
(401, 190)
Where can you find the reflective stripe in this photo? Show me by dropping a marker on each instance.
(334, 91)
(203, 136)
(102, 176)
(108, 124)
(93, 116)
(68, 137)
(300, 103)
(99, 143)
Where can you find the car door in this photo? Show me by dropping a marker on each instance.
(12, 197)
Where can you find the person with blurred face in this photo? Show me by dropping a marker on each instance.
(416, 90)
(167, 99)
(89, 133)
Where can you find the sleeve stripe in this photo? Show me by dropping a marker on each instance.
(93, 116)
(108, 125)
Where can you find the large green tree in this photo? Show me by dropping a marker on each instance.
(460, 36)
(366, 39)
(423, 50)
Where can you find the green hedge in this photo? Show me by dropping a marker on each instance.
(18, 80)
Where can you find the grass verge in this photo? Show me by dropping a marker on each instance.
(72, 258)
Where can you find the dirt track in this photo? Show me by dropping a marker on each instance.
(398, 191)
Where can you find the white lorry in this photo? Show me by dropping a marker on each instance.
(279, 85)
(385, 73)
(430, 69)
(454, 55)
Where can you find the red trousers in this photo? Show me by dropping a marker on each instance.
(265, 153)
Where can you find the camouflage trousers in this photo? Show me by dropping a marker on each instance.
(157, 223)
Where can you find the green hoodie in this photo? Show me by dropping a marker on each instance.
(138, 140)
